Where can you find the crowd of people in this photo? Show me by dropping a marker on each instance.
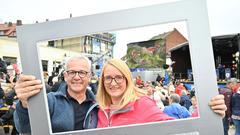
(173, 99)
(113, 99)
(178, 101)
(118, 99)
(8, 77)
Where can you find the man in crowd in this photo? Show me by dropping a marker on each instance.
(175, 109)
(228, 92)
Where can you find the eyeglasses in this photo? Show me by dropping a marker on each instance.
(81, 73)
(118, 79)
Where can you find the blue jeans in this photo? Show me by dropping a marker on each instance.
(237, 126)
(226, 125)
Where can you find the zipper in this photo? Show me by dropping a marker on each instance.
(109, 119)
(108, 116)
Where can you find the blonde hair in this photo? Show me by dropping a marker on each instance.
(130, 94)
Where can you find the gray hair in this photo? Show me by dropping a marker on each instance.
(80, 57)
(175, 98)
(234, 81)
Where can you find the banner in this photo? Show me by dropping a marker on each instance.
(228, 73)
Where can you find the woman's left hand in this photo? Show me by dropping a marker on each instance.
(217, 104)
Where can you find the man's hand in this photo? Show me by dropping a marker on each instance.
(26, 87)
(217, 104)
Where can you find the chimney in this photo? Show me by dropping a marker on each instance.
(19, 22)
(9, 24)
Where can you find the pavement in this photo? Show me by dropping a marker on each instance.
(231, 131)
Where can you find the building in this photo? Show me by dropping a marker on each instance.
(226, 56)
(98, 47)
(154, 53)
(8, 42)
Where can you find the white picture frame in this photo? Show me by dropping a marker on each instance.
(194, 12)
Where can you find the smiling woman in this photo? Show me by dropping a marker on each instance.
(121, 100)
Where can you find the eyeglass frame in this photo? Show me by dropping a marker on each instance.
(77, 72)
(114, 78)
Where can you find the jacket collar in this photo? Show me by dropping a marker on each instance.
(129, 107)
(62, 91)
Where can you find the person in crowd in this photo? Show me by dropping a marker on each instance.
(50, 78)
(236, 111)
(121, 103)
(11, 77)
(233, 84)
(3, 66)
(192, 92)
(94, 83)
(171, 87)
(2, 95)
(185, 100)
(57, 82)
(175, 109)
(221, 69)
(227, 92)
(139, 81)
(159, 78)
(160, 97)
(193, 109)
(179, 88)
(7, 117)
(68, 106)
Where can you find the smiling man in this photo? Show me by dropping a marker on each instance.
(72, 107)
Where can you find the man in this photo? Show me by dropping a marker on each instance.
(72, 107)
(175, 109)
(228, 92)
(185, 100)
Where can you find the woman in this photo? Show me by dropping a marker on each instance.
(121, 103)
(194, 108)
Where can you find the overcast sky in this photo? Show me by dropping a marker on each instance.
(224, 17)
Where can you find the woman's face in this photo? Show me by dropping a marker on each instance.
(114, 83)
(194, 102)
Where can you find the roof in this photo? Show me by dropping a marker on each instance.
(163, 35)
(178, 46)
(223, 44)
(226, 43)
(154, 38)
(8, 29)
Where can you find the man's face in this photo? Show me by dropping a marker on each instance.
(77, 76)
